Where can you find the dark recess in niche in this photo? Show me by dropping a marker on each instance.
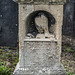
(30, 23)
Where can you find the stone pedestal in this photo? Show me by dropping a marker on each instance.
(57, 69)
(40, 57)
(40, 42)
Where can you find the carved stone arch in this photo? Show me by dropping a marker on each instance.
(30, 22)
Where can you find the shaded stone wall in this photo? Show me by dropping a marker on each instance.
(8, 23)
(68, 21)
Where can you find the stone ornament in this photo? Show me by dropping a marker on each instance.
(42, 26)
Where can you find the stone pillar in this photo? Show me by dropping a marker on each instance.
(40, 26)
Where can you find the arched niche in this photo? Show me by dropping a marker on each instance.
(31, 25)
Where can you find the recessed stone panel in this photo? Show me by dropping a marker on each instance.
(40, 53)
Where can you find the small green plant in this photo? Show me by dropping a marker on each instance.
(0, 50)
(68, 73)
(4, 70)
(4, 56)
(1, 63)
(4, 47)
(69, 49)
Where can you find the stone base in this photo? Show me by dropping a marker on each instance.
(40, 57)
(57, 69)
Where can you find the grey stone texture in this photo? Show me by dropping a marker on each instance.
(25, 10)
(69, 20)
(56, 70)
(40, 56)
(41, 1)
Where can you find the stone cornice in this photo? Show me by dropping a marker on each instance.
(54, 2)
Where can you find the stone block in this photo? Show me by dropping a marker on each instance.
(40, 57)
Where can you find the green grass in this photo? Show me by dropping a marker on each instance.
(9, 57)
(4, 70)
(68, 73)
(68, 48)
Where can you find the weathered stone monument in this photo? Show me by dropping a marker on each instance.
(40, 28)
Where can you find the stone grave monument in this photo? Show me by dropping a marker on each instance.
(40, 29)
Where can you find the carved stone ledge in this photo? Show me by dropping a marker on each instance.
(37, 2)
